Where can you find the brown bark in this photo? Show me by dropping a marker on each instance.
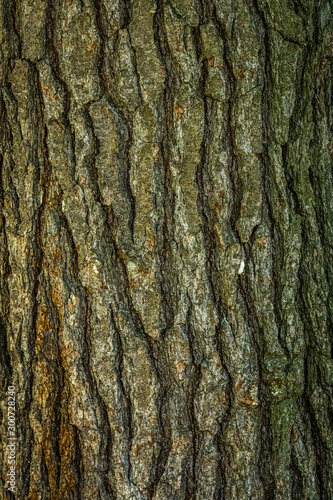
(166, 248)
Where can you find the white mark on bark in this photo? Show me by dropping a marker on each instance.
(241, 267)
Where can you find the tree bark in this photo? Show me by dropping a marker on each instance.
(166, 247)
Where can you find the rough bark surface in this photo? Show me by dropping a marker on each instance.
(166, 237)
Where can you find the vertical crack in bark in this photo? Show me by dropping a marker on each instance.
(59, 389)
(53, 59)
(125, 115)
(11, 17)
(166, 138)
(220, 438)
(266, 441)
(40, 182)
(278, 257)
(129, 126)
(314, 179)
(264, 459)
(195, 382)
(163, 419)
(164, 241)
(297, 492)
(5, 269)
(126, 13)
(98, 404)
(312, 368)
(122, 294)
(210, 248)
(232, 163)
(295, 207)
(46, 490)
(127, 416)
(300, 9)
(79, 466)
(105, 430)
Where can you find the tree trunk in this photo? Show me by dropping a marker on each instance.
(166, 247)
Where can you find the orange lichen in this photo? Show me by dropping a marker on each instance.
(180, 111)
(180, 365)
(131, 283)
(239, 385)
(150, 245)
(48, 92)
(92, 46)
(43, 323)
(248, 402)
(262, 241)
(57, 253)
(137, 449)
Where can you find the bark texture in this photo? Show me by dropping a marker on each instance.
(166, 237)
